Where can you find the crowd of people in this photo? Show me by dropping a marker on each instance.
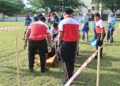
(63, 33)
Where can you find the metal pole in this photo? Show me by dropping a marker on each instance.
(98, 67)
(100, 8)
(17, 62)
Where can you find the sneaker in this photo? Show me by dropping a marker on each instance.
(65, 81)
(42, 71)
(31, 69)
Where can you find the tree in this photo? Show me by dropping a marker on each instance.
(11, 7)
(55, 5)
(113, 5)
(31, 10)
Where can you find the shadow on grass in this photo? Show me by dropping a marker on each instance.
(106, 64)
(106, 61)
(12, 53)
(111, 44)
(115, 43)
(86, 78)
(83, 57)
(84, 42)
(25, 72)
(89, 79)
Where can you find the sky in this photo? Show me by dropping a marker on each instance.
(25, 1)
(87, 2)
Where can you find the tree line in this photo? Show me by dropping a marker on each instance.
(13, 7)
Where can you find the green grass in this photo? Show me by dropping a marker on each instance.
(11, 24)
(110, 64)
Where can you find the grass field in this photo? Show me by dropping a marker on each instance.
(110, 64)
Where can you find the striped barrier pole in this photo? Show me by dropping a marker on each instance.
(81, 68)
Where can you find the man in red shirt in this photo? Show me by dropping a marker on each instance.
(100, 32)
(68, 38)
(37, 34)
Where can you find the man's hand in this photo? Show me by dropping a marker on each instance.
(101, 39)
(25, 45)
(49, 49)
(58, 49)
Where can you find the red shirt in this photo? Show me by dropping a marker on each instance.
(99, 26)
(39, 31)
(70, 29)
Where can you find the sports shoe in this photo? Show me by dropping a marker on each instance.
(31, 69)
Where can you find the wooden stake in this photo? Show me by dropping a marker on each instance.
(17, 63)
(98, 68)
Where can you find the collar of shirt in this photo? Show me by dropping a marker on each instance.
(68, 16)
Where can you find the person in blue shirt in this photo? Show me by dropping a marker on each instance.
(111, 27)
(85, 27)
(55, 18)
(28, 21)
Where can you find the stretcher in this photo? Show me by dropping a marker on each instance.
(50, 61)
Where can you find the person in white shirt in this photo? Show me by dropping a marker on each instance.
(54, 31)
(100, 32)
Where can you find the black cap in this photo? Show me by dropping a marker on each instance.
(55, 25)
(41, 17)
(97, 15)
(68, 11)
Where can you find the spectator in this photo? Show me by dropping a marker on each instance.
(28, 21)
(85, 27)
(100, 32)
(111, 27)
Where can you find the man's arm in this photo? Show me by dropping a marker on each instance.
(48, 36)
(102, 30)
(78, 37)
(49, 39)
(49, 42)
(102, 33)
(60, 32)
(27, 37)
(59, 38)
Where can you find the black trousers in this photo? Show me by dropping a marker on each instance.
(68, 53)
(99, 42)
(41, 48)
(110, 35)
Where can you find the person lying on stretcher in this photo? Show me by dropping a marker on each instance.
(54, 35)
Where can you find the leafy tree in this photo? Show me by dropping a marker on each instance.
(11, 7)
(55, 5)
(113, 5)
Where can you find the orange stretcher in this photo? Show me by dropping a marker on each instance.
(49, 62)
